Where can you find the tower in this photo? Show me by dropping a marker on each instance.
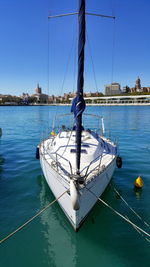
(138, 84)
(38, 90)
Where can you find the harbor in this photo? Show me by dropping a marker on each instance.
(23, 192)
(74, 134)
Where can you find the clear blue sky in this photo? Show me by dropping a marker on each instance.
(24, 53)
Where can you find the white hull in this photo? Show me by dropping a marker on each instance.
(58, 185)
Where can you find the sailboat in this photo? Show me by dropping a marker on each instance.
(78, 161)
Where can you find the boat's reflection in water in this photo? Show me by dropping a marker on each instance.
(60, 238)
(92, 244)
(62, 245)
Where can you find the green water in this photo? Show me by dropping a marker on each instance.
(104, 239)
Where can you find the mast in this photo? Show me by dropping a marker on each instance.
(80, 103)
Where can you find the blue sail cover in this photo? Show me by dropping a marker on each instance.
(108, 148)
(78, 106)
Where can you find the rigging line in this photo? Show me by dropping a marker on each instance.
(119, 214)
(69, 137)
(92, 63)
(31, 219)
(52, 74)
(48, 41)
(130, 206)
(48, 70)
(75, 59)
(113, 51)
(67, 66)
(112, 73)
(65, 74)
(113, 8)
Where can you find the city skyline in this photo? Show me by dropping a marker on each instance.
(23, 49)
(122, 89)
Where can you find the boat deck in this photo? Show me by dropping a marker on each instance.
(60, 152)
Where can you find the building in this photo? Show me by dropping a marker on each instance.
(120, 100)
(138, 85)
(38, 90)
(146, 89)
(113, 89)
(40, 98)
(138, 88)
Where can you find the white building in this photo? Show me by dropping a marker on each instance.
(112, 89)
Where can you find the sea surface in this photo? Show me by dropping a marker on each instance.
(104, 239)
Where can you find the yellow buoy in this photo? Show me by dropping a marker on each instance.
(138, 182)
(52, 132)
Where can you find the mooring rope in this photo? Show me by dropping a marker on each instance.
(140, 233)
(130, 206)
(122, 216)
(31, 219)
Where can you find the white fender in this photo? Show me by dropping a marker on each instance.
(74, 196)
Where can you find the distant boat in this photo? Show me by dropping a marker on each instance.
(78, 160)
